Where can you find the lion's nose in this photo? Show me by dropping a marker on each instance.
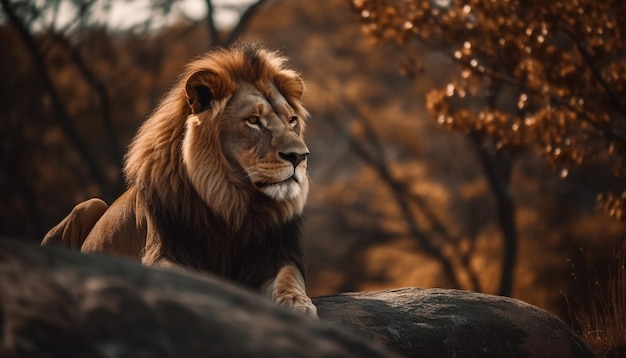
(294, 158)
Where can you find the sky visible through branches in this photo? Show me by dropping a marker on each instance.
(122, 15)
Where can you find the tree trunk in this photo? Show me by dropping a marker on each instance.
(497, 168)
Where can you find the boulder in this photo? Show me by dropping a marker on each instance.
(452, 323)
(58, 303)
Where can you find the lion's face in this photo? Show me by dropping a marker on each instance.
(261, 137)
(249, 140)
(244, 136)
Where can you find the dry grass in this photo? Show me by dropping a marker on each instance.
(603, 319)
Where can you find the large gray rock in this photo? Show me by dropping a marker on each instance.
(57, 303)
(450, 323)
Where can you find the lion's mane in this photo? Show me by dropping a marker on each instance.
(194, 226)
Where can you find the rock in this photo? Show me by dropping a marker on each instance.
(451, 323)
(58, 303)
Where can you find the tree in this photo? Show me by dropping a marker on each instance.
(551, 77)
(527, 75)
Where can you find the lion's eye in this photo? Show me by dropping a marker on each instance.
(293, 121)
(253, 121)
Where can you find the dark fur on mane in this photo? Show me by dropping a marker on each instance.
(249, 256)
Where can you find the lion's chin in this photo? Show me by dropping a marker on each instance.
(285, 190)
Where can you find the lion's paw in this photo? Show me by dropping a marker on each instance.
(296, 302)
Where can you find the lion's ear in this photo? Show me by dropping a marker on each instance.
(290, 85)
(203, 87)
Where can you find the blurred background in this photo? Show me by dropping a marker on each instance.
(458, 144)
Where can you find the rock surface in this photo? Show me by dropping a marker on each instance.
(451, 323)
(58, 303)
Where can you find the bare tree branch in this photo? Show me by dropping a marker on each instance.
(103, 97)
(243, 22)
(59, 109)
(214, 35)
(402, 200)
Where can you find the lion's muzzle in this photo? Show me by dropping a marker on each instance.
(293, 157)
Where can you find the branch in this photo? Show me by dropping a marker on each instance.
(57, 104)
(213, 32)
(606, 130)
(103, 97)
(586, 56)
(402, 200)
(380, 164)
(244, 21)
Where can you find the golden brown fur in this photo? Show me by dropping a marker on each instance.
(217, 178)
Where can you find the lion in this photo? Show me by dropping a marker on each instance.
(216, 179)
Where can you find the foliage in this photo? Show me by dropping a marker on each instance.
(551, 77)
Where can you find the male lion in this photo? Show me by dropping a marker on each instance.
(216, 179)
